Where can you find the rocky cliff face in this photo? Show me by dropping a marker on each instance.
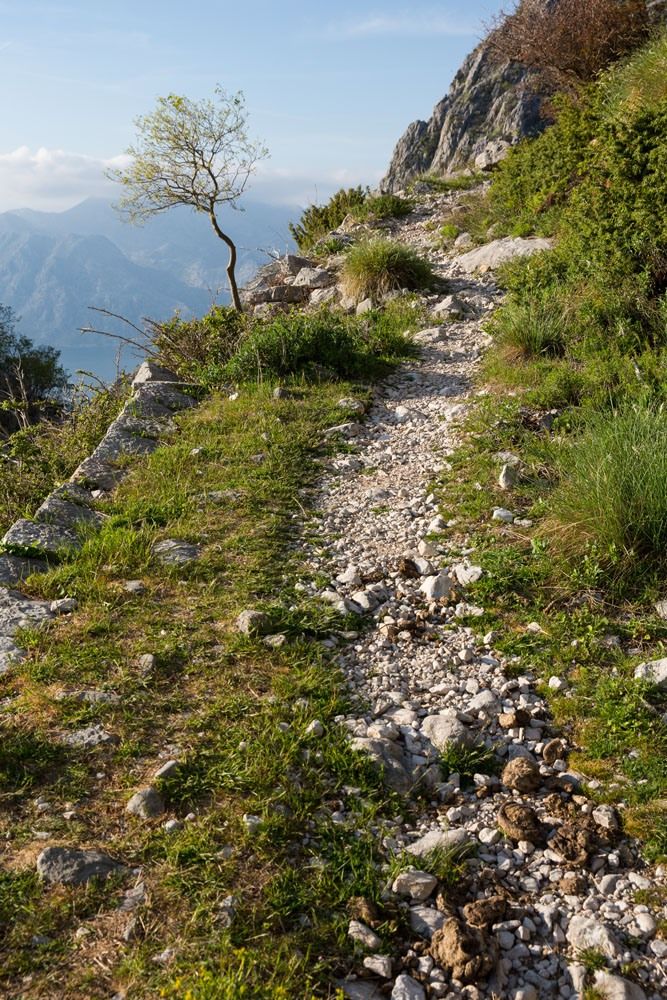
(490, 105)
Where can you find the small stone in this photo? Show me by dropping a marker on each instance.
(501, 514)
(315, 728)
(165, 957)
(417, 885)
(64, 606)
(363, 934)
(253, 623)
(585, 931)
(252, 823)
(172, 826)
(617, 988)
(444, 840)
(175, 552)
(606, 817)
(134, 586)
(407, 988)
(89, 737)
(522, 774)
(507, 477)
(654, 672)
(381, 965)
(437, 588)
(147, 662)
(67, 866)
(168, 769)
(276, 641)
(147, 803)
(557, 684)
(445, 729)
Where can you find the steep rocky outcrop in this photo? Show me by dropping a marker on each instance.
(490, 105)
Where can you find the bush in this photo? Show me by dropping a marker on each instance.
(378, 266)
(383, 206)
(317, 221)
(31, 378)
(569, 42)
(188, 346)
(321, 344)
(612, 499)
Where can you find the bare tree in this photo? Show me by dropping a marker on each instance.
(569, 42)
(194, 153)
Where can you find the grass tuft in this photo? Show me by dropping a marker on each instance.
(379, 266)
(612, 496)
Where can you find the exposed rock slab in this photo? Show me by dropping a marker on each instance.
(492, 255)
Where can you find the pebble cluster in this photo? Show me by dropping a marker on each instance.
(556, 898)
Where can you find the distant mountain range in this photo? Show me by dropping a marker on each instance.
(55, 265)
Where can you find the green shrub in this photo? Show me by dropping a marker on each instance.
(449, 231)
(317, 221)
(378, 266)
(39, 458)
(443, 185)
(383, 206)
(641, 83)
(188, 346)
(326, 342)
(612, 498)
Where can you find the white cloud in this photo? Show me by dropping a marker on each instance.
(52, 179)
(408, 24)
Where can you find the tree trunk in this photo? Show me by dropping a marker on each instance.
(231, 266)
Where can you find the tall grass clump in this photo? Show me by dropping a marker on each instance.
(531, 328)
(612, 497)
(379, 266)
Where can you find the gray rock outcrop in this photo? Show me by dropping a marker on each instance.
(490, 106)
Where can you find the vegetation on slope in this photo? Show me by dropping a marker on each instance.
(579, 379)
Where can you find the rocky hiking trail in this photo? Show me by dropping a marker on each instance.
(551, 886)
(169, 766)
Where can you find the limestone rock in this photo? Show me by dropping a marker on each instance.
(314, 277)
(655, 672)
(487, 100)
(147, 803)
(616, 988)
(446, 728)
(407, 988)
(175, 552)
(586, 931)
(252, 622)
(14, 569)
(492, 255)
(463, 950)
(415, 884)
(439, 840)
(363, 934)
(150, 371)
(389, 756)
(67, 866)
(438, 588)
(51, 539)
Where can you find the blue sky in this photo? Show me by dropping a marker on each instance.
(329, 87)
